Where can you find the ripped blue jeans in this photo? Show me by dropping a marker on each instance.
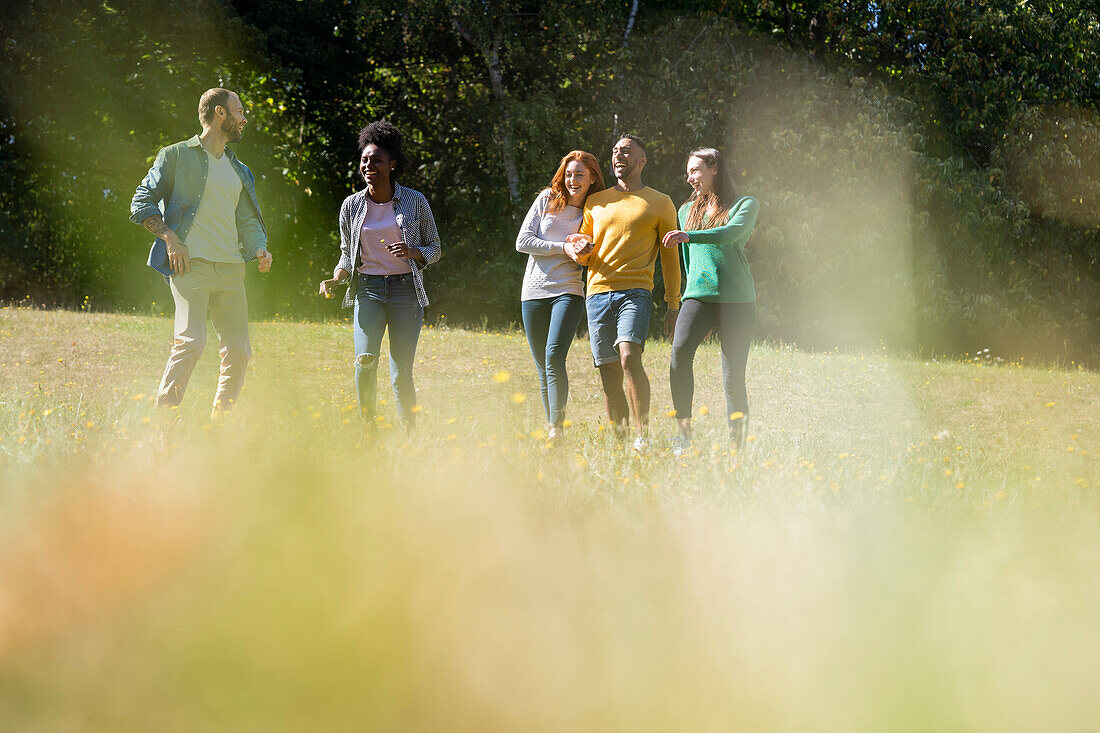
(383, 301)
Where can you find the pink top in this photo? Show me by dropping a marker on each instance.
(380, 223)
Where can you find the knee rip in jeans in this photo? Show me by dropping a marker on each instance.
(366, 360)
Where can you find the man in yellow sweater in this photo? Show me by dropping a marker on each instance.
(619, 241)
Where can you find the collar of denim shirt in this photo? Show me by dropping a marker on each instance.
(195, 142)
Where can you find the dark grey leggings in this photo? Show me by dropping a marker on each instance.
(733, 323)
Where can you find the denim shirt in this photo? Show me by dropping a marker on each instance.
(417, 224)
(177, 181)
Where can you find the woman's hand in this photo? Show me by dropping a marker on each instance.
(327, 285)
(674, 237)
(402, 250)
(579, 248)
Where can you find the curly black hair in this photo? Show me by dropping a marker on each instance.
(385, 135)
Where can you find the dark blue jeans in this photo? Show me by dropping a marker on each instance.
(382, 301)
(550, 325)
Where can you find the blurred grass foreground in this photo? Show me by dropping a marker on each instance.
(904, 545)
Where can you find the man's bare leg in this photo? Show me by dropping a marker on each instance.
(637, 384)
(611, 375)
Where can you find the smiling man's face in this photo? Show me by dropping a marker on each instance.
(627, 157)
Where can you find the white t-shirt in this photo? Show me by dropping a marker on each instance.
(213, 233)
(380, 223)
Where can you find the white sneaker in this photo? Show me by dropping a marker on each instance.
(680, 446)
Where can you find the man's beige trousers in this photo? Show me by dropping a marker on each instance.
(215, 289)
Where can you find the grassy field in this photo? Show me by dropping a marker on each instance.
(902, 546)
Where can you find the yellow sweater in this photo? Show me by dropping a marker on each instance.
(626, 230)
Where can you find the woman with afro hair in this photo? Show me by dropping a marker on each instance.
(387, 237)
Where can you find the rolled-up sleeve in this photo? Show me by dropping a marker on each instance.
(156, 185)
(250, 230)
(429, 235)
(347, 261)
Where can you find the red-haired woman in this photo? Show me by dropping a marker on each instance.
(553, 288)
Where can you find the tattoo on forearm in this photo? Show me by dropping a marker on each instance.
(156, 225)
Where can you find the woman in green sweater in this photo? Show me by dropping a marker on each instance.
(719, 293)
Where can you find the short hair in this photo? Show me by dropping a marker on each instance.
(210, 99)
(636, 140)
(385, 135)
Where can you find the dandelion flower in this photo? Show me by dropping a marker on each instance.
(501, 377)
(736, 415)
(416, 408)
(519, 398)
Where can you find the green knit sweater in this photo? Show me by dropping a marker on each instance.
(714, 259)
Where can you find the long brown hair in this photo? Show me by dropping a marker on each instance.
(559, 196)
(711, 209)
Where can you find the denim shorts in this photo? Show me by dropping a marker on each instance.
(621, 315)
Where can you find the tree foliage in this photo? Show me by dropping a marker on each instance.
(928, 170)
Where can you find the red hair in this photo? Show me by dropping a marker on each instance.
(559, 197)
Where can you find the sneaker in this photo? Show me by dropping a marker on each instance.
(680, 445)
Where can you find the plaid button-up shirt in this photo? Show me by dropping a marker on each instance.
(414, 217)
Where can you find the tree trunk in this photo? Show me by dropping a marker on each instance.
(630, 22)
(500, 94)
(626, 39)
(507, 145)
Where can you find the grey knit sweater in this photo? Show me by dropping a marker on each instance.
(550, 272)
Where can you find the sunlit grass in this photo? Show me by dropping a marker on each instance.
(902, 546)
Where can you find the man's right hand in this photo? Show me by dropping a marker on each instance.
(178, 256)
(327, 286)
